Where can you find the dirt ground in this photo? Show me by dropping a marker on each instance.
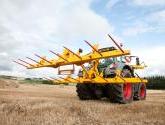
(25, 104)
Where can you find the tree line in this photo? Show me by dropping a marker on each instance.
(156, 82)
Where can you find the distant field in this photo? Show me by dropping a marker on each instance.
(26, 104)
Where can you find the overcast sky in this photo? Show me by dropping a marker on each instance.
(36, 26)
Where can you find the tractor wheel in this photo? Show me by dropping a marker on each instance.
(121, 93)
(98, 91)
(84, 92)
(140, 94)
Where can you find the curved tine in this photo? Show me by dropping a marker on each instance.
(64, 79)
(115, 43)
(93, 48)
(58, 55)
(25, 62)
(55, 79)
(20, 64)
(32, 60)
(47, 79)
(42, 58)
(72, 52)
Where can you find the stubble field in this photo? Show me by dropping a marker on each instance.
(26, 104)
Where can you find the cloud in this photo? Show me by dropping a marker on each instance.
(136, 29)
(111, 3)
(157, 17)
(149, 2)
(3, 54)
(37, 26)
(152, 22)
(5, 68)
(154, 62)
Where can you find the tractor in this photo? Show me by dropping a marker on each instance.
(105, 73)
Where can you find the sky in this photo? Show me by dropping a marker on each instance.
(36, 26)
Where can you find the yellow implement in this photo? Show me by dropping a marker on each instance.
(107, 74)
(69, 57)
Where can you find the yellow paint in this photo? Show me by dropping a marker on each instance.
(101, 80)
(73, 59)
(91, 75)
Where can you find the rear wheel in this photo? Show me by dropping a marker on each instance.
(84, 91)
(97, 91)
(121, 93)
(88, 91)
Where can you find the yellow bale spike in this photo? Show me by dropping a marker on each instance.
(116, 43)
(43, 58)
(73, 53)
(94, 48)
(20, 64)
(56, 79)
(33, 60)
(59, 56)
(25, 62)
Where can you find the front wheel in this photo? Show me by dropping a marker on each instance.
(120, 93)
(140, 94)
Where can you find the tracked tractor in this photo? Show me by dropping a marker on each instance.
(105, 73)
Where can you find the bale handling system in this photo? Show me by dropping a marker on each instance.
(105, 72)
